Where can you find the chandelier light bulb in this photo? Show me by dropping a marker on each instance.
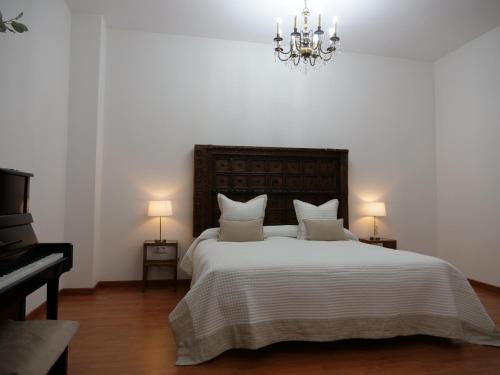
(278, 24)
(335, 21)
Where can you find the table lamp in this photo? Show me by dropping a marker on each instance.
(375, 209)
(160, 209)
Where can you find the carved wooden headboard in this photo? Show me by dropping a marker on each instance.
(284, 174)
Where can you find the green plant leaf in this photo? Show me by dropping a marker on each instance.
(19, 27)
(1, 16)
(3, 28)
(19, 15)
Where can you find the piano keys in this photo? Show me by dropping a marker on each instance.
(9, 276)
(26, 264)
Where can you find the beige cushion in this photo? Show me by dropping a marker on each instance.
(32, 347)
(325, 230)
(241, 231)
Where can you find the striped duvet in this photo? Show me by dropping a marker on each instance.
(249, 295)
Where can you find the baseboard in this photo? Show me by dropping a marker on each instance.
(76, 291)
(119, 284)
(138, 283)
(480, 284)
(161, 283)
(37, 311)
(40, 310)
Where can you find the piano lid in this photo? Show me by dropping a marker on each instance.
(16, 232)
(15, 172)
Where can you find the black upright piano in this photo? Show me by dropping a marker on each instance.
(25, 264)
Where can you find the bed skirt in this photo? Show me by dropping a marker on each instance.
(192, 350)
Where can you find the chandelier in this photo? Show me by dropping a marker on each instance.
(307, 45)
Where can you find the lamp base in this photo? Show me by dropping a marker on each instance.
(160, 241)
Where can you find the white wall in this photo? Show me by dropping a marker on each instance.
(468, 155)
(166, 93)
(34, 73)
(86, 106)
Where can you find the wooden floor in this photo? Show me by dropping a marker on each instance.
(124, 331)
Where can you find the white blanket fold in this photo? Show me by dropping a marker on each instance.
(248, 295)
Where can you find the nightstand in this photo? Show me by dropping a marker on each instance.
(384, 242)
(159, 254)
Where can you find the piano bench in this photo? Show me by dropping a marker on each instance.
(36, 346)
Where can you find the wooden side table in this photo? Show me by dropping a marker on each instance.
(384, 242)
(163, 258)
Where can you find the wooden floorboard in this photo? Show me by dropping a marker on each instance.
(124, 331)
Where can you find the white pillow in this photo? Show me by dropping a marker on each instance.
(305, 210)
(232, 210)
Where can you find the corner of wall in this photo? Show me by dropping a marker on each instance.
(84, 166)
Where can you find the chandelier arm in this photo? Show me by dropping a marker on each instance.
(326, 59)
(325, 54)
(320, 46)
(298, 60)
(284, 52)
(297, 47)
(284, 59)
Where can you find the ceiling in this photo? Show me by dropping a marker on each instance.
(413, 29)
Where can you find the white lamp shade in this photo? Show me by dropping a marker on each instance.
(160, 208)
(374, 209)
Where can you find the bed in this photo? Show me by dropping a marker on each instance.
(252, 294)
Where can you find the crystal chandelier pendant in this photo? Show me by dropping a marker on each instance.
(307, 48)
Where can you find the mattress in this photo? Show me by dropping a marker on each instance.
(252, 294)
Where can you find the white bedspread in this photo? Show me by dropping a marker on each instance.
(248, 295)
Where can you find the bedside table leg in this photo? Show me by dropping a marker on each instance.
(144, 277)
